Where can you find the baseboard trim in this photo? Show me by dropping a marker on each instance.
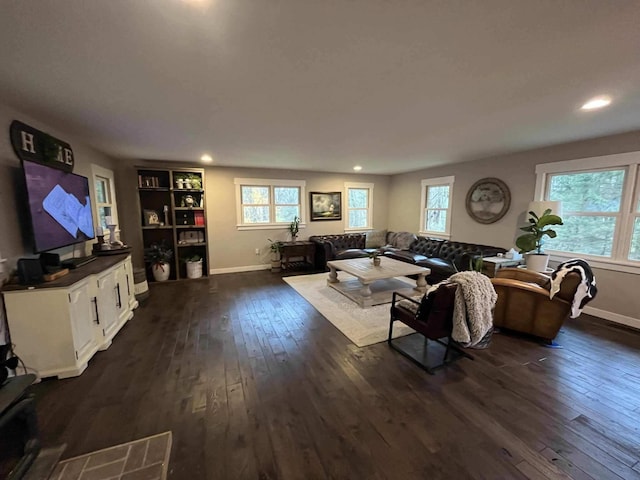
(245, 268)
(613, 317)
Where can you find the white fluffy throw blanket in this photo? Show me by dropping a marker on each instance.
(473, 310)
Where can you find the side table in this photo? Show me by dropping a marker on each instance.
(304, 250)
(490, 265)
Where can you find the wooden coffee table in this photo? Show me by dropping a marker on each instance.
(375, 284)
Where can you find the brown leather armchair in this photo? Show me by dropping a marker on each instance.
(524, 305)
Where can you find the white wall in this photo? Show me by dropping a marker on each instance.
(617, 297)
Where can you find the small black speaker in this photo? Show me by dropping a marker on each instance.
(30, 271)
(50, 262)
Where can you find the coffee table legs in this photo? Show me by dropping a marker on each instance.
(421, 283)
(365, 291)
(333, 275)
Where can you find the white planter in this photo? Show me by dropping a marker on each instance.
(194, 269)
(161, 271)
(537, 262)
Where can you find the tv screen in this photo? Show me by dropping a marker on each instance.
(59, 205)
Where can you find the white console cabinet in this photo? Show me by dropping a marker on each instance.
(58, 326)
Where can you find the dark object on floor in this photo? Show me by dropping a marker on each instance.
(8, 361)
(19, 443)
(431, 317)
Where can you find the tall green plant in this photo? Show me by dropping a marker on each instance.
(536, 231)
(294, 227)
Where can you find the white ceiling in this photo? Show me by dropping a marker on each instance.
(393, 85)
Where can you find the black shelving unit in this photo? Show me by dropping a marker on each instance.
(173, 211)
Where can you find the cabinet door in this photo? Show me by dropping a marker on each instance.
(82, 320)
(123, 292)
(106, 300)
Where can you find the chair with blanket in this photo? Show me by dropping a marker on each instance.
(432, 317)
(537, 304)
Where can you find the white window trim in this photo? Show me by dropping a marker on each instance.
(98, 171)
(431, 182)
(630, 194)
(368, 186)
(270, 182)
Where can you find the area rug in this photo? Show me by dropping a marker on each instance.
(146, 458)
(363, 326)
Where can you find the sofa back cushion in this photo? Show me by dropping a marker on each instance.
(343, 241)
(375, 238)
(461, 253)
(429, 247)
(400, 240)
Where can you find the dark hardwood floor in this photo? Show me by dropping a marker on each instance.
(255, 384)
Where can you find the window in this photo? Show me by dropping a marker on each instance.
(359, 206)
(600, 207)
(105, 197)
(435, 216)
(268, 203)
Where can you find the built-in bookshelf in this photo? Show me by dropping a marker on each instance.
(173, 211)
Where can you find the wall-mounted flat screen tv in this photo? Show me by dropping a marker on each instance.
(60, 207)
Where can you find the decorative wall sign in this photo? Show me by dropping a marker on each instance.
(326, 206)
(35, 146)
(488, 200)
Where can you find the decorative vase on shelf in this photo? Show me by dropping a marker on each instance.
(180, 183)
(161, 271)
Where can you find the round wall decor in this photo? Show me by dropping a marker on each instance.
(488, 200)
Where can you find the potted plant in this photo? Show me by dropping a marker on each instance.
(276, 250)
(294, 228)
(159, 255)
(195, 180)
(194, 266)
(532, 241)
(374, 256)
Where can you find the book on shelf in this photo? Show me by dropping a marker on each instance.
(198, 217)
(148, 181)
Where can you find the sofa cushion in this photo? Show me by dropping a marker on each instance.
(429, 247)
(375, 238)
(438, 264)
(350, 253)
(401, 240)
(404, 256)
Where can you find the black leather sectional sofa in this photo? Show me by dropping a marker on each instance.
(443, 257)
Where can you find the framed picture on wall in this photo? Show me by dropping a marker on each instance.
(326, 205)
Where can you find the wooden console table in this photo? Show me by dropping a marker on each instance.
(304, 250)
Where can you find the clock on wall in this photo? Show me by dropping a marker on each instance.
(488, 200)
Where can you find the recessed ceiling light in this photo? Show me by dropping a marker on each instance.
(206, 158)
(357, 168)
(596, 103)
